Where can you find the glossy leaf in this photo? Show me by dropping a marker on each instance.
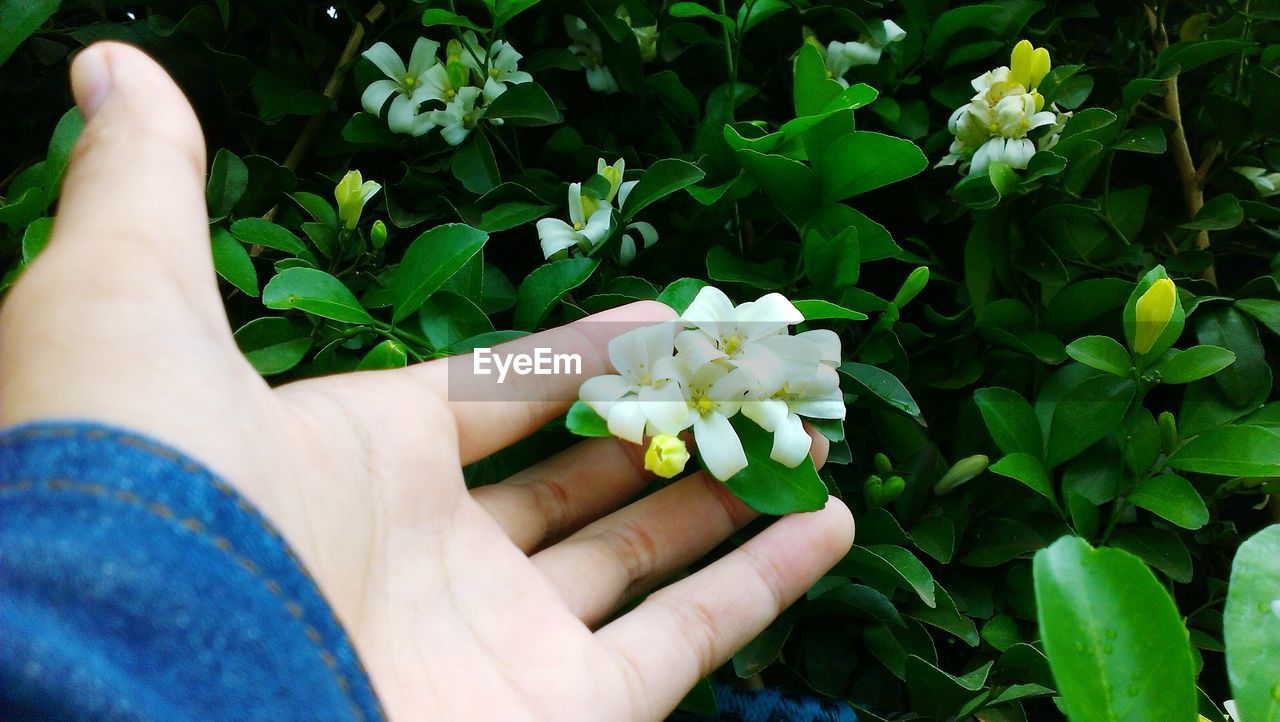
(1114, 638)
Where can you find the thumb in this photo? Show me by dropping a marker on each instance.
(134, 191)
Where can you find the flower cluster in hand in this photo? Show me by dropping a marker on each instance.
(450, 95)
(718, 360)
(591, 219)
(586, 47)
(995, 125)
(840, 57)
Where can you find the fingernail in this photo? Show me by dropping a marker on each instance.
(91, 80)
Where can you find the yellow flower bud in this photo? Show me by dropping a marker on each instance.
(1028, 64)
(666, 455)
(1152, 314)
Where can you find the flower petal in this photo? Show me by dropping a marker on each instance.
(697, 348)
(402, 114)
(719, 446)
(626, 419)
(555, 235)
(387, 61)
(423, 57)
(375, 96)
(665, 408)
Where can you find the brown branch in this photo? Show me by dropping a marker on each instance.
(331, 88)
(1188, 176)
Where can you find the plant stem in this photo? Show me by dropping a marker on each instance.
(1192, 191)
(331, 88)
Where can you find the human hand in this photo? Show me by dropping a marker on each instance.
(492, 603)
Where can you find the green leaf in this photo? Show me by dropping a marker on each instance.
(817, 310)
(885, 565)
(228, 179)
(545, 286)
(1248, 379)
(792, 186)
(1103, 353)
(694, 10)
(387, 355)
(65, 135)
(1146, 139)
(474, 166)
(1027, 469)
(766, 485)
(315, 292)
(876, 382)
(436, 16)
(1086, 413)
(1218, 214)
(316, 207)
(1251, 623)
(584, 421)
(680, 293)
(995, 541)
(273, 344)
(1114, 638)
(279, 94)
(504, 10)
(813, 90)
(265, 233)
(448, 318)
(506, 216)
(1171, 497)
(1193, 364)
(1190, 54)
(1161, 549)
(1230, 451)
(661, 180)
(19, 19)
(862, 161)
(722, 265)
(232, 261)
(1010, 420)
(430, 261)
(832, 262)
(35, 238)
(940, 695)
(524, 104)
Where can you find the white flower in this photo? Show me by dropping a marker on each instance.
(1232, 712)
(460, 116)
(643, 397)
(648, 235)
(502, 63)
(646, 35)
(714, 393)
(994, 125)
(1267, 184)
(408, 85)
(588, 227)
(590, 54)
(1016, 153)
(777, 408)
(839, 57)
(724, 331)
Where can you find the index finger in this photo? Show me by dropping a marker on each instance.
(503, 399)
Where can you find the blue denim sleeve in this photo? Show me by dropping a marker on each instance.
(136, 585)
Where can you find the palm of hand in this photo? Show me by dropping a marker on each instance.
(463, 604)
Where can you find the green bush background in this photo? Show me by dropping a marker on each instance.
(939, 611)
